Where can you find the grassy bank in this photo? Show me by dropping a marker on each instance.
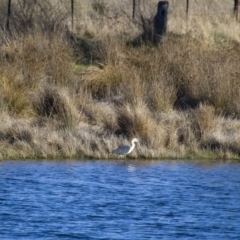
(81, 93)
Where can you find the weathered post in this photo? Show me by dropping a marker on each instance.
(8, 15)
(134, 9)
(72, 11)
(187, 8)
(236, 8)
(160, 21)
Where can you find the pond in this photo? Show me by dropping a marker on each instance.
(119, 200)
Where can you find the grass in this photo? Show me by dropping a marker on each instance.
(81, 93)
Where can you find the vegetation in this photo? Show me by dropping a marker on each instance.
(80, 93)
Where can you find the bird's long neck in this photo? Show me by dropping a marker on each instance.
(132, 147)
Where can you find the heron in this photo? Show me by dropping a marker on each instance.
(125, 149)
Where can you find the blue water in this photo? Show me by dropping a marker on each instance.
(119, 200)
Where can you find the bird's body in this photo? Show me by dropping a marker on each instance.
(125, 149)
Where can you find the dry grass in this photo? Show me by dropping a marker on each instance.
(80, 94)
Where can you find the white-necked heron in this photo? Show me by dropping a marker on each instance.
(125, 149)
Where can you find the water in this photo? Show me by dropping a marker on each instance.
(119, 200)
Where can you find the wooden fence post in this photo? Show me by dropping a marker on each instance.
(160, 21)
(187, 8)
(236, 8)
(134, 9)
(72, 11)
(8, 15)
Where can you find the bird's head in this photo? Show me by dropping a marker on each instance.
(135, 140)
